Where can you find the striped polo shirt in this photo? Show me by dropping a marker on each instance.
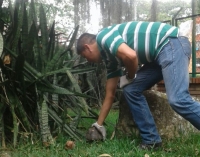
(146, 38)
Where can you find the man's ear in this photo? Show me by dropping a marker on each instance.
(87, 46)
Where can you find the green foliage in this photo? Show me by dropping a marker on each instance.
(39, 78)
(168, 9)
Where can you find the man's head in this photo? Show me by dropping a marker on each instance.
(87, 47)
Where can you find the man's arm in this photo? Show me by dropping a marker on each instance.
(129, 58)
(111, 86)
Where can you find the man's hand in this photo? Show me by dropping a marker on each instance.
(101, 129)
(125, 81)
(93, 135)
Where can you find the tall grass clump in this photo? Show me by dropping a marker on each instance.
(40, 78)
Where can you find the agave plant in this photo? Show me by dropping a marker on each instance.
(39, 77)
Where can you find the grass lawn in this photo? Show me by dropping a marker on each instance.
(184, 146)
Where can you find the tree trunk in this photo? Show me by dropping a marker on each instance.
(125, 126)
(169, 124)
(154, 10)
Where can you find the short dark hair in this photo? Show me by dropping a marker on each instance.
(85, 38)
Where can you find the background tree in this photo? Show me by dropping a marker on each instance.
(81, 13)
(166, 10)
(114, 12)
(153, 10)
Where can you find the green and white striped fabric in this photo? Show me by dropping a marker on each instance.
(146, 38)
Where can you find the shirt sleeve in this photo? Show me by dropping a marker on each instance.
(110, 40)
